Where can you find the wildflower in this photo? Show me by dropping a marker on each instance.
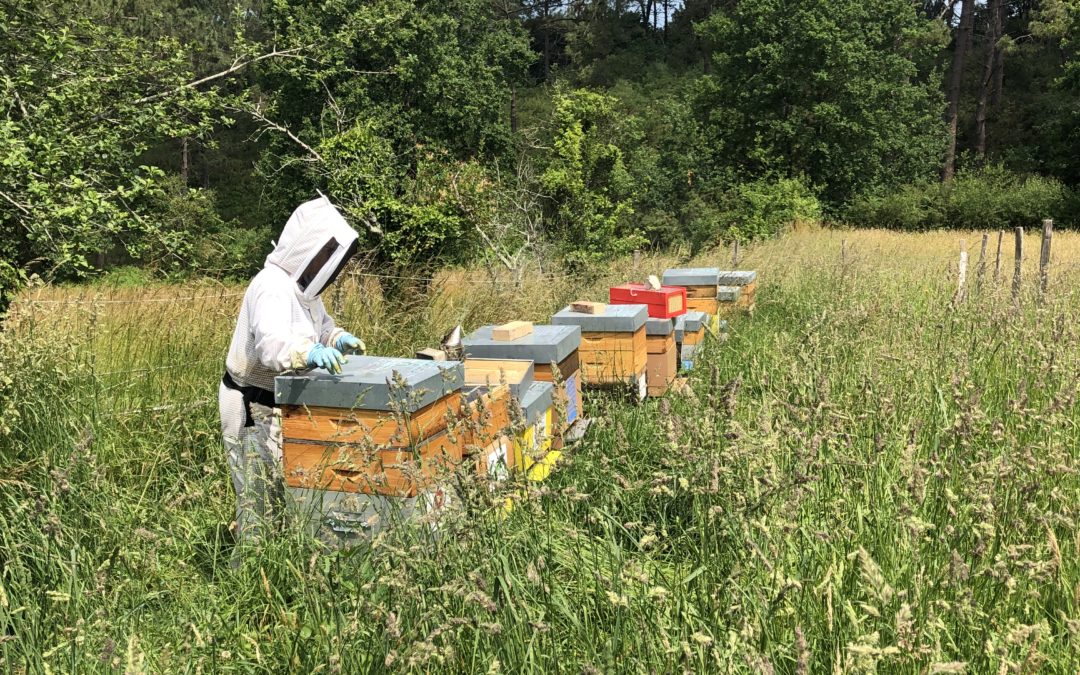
(617, 600)
(950, 667)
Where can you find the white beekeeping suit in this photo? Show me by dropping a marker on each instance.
(282, 319)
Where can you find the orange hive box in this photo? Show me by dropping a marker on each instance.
(544, 346)
(613, 345)
(383, 426)
(663, 361)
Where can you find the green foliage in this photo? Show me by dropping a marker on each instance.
(397, 101)
(82, 102)
(417, 211)
(586, 179)
(763, 208)
(829, 90)
(988, 198)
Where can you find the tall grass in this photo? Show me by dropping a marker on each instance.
(863, 477)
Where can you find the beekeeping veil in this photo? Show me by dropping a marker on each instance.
(314, 247)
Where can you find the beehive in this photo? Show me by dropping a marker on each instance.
(746, 282)
(379, 428)
(613, 346)
(485, 416)
(664, 303)
(547, 345)
(663, 358)
(533, 451)
(729, 299)
(517, 374)
(689, 335)
(701, 285)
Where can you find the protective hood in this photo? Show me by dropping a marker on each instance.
(314, 247)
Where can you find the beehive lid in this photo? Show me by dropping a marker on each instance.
(538, 398)
(546, 344)
(517, 374)
(692, 276)
(659, 327)
(731, 278)
(728, 293)
(615, 319)
(373, 383)
(691, 321)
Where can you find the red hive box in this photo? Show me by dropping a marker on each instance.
(666, 303)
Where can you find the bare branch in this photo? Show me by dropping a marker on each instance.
(14, 203)
(256, 113)
(237, 65)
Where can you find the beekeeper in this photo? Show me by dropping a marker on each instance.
(283, 326)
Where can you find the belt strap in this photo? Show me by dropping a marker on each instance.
(251, 394)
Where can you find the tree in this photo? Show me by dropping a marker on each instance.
(81, 103)
(956, 76)
(391, 112)
(586, 179)
(826, 90)
(991, 62)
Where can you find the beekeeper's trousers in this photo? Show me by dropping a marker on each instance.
(254, 454)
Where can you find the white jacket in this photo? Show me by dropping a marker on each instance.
(282, 315)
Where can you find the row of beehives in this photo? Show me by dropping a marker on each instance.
(378, 442)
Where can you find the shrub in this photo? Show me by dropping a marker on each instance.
(587, 180)
(988, 198)
(750, 211)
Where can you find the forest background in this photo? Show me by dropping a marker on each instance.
(148, 139)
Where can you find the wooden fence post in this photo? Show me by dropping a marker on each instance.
(843, 253)
(981, 270)
(1044, 255)
(735, 256)
(997, 263)
(1018, 270)
(961, 276)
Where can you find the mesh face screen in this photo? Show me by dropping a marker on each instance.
(318, 261)
(344, 261)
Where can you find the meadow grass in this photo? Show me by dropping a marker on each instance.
(865, 477)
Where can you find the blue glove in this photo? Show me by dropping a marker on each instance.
(321, 356)
(347, 343)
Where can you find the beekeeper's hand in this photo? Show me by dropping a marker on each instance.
(321, 356)
(347, 343)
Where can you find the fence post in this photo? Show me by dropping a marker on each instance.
(997, 263)
(1044, 255)
(735, 256)
(1018, 270)
(637, 262)
(961, 277)
(981, 271)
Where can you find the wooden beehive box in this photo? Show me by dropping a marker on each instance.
(663, 358)
(700, 284)
(485, 416)
(729, 300)
(383, 426)
(547, 347)
(613, 345)
(533, 440)
(689, 336)
(745, 282)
